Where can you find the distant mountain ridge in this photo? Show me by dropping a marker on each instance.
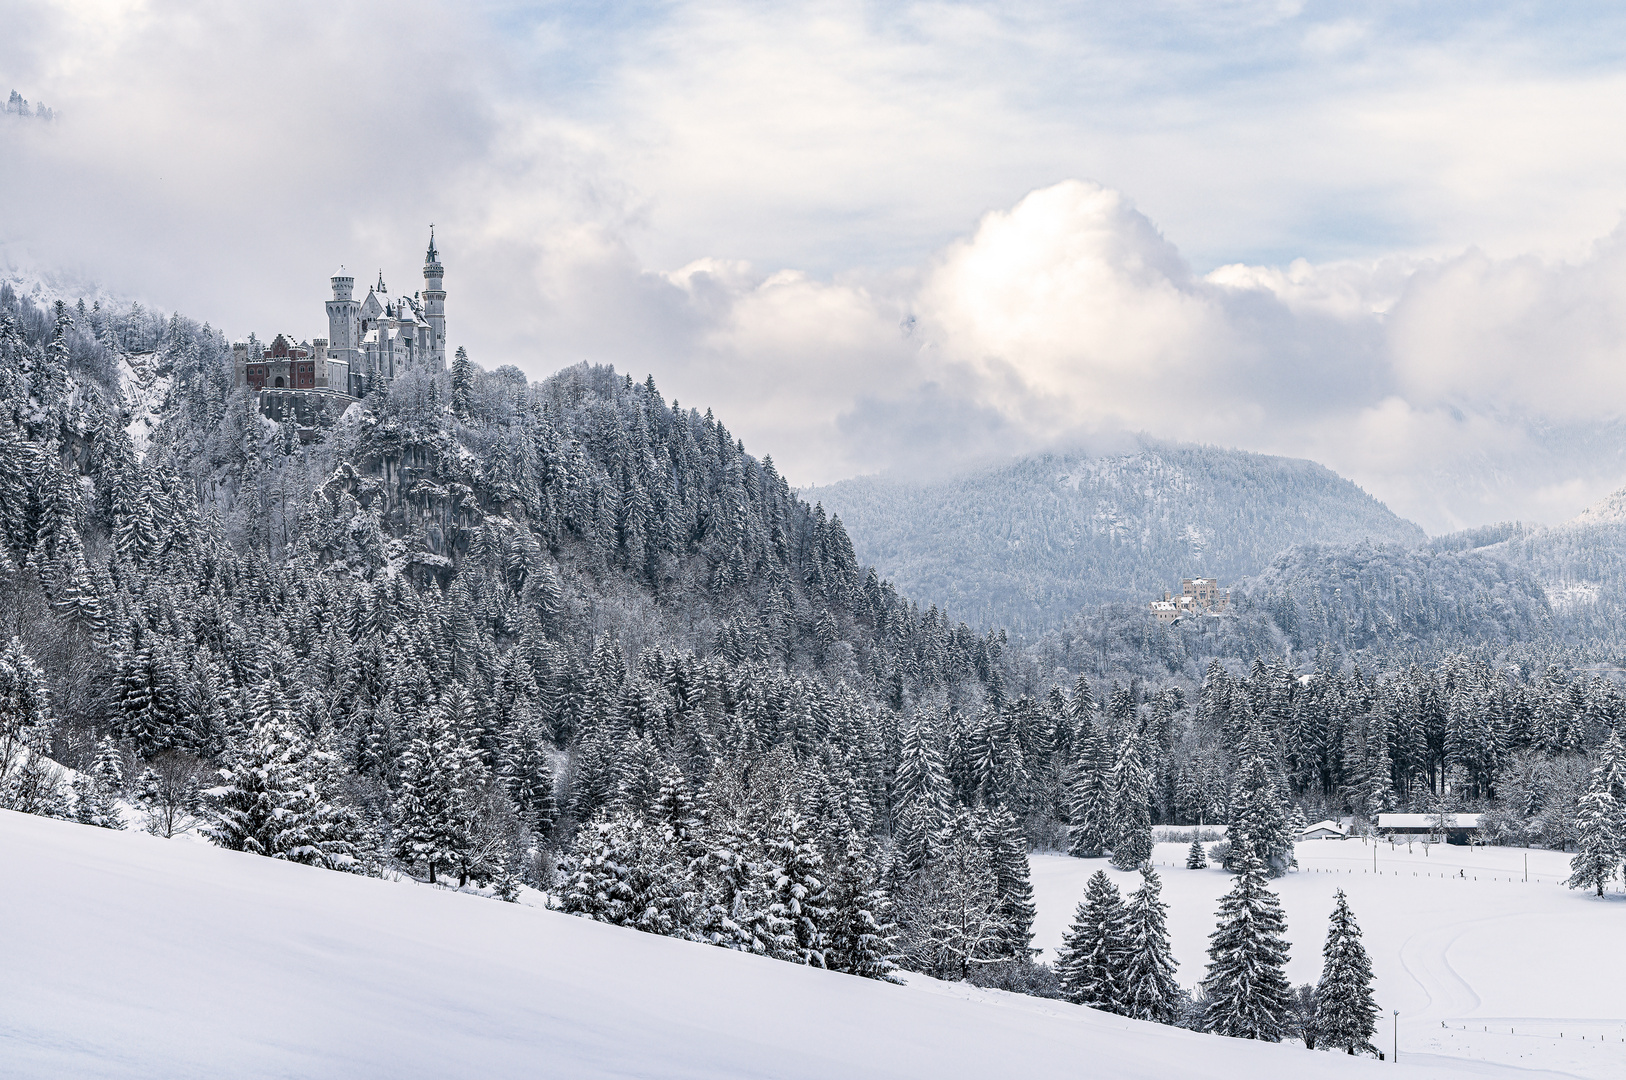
(1028, 543)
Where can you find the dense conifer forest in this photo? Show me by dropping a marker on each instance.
(570, 634)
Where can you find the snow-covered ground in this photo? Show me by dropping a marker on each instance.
(1523, 974)
(130, 956)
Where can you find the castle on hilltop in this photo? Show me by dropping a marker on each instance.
(1198, 596)
(368, 341)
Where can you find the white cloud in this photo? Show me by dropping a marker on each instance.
(846, 228)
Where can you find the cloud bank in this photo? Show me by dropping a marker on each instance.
(1386, 242)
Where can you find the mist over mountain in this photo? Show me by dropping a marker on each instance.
(1026, 544)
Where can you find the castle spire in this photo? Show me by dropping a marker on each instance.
(431, 257)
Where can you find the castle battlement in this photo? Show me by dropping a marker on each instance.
(369, 341)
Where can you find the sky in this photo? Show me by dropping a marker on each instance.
(907, 237)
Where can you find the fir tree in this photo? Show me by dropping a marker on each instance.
(430, 825)
(1149, 989)
(1093, 961)
(1008, 852)
(257, 785)
(1259, 824)
(462, 384)
(624, 872)
(1246, 982)
(855, 931)
(796, 905)
(96, 789)
(527, 770)
(1346, 1017)
(1196, 855)
(1601, 833)
(1090, 799)
(1131, 828)
(922, 795)
(25, 710)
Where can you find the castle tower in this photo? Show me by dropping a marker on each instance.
(344, 321)
(434, 303)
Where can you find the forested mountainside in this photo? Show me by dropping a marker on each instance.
(481, 629)
(1026, 545)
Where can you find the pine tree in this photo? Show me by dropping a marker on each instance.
(796, 905)
(1246, 982)
(1150, 992)
(258, 782)
(1601, 833)
(922, 796)
(1092, 964)
(1131, 828)
(1346, 1017)
(625, 873)
(25, 713)
(1196, 856)
(675, 809)
(855, 933)
(527, 770)
(1090, 799)
(430, 825)
(1008, 852)
(462, 384)
(1259, 824)
(97, 788)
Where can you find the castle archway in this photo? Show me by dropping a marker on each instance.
(279, 382)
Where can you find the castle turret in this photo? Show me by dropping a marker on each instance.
(434, 303)
(343, 321)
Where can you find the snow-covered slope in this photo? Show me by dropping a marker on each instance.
(1609, 510)
(1025, 545)
(1483, 966)
(129, 956)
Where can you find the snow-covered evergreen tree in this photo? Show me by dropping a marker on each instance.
(1246, 982)
(1093, 960)
(1346, 1016)
(1008, 852)
(527, 770)
(1196, 856)
(922, 795)
(96, 789)
(247, 811)
(624, 872)
(1149, 988)
(1090, 797)
(796, 907)
(1600, 826)
(1259, 822)
(855, 926)
(25, 717)
(1131, 828)
(431, 828)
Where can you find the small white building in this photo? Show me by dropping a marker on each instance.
(1324, 830)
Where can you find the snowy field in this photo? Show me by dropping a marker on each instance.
(130, 956)
(1523, 974)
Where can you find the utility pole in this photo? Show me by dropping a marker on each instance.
(1397, 1036)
